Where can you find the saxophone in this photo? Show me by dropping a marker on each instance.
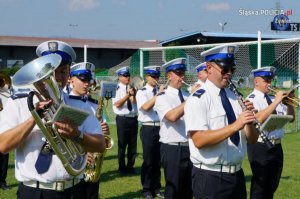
(93, 170)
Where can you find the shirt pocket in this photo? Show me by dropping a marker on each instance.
(217, 119)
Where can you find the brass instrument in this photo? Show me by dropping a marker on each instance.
(93, 170)
(136, 82)
(293, 101)
(39, 72)
(256, 123)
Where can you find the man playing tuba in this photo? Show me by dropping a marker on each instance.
(40, 173)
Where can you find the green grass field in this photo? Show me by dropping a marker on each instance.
(114, 186)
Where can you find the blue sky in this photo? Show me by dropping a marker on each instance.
(137, 19)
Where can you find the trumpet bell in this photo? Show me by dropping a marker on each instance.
(136, 82)
(292, 101)
(36, 70)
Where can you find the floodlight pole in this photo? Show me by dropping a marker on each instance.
(259, 49)
(85, 53)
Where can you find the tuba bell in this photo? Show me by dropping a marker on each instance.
(39, 72)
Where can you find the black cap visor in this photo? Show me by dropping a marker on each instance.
(85, 78)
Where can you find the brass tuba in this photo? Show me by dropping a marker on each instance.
(39, 72)
(93, 170)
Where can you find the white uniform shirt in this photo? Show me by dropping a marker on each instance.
(207, 113)
(143, 96)
(170, 131)
(123, 110)
(94, 107)
(260, 103)
(27, 153)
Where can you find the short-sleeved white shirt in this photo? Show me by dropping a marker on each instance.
(123, 110)
(170, 131)
(260, 103)
(144, 95)
(206, 112)
(27, 153)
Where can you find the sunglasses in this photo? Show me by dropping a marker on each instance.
(126, 75)
(226, 69)
(154, 76)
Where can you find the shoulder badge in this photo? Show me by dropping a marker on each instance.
(92, 100)
(19, 95)
(161, 93)
(252, 96)
(199, 93)
(118, 87)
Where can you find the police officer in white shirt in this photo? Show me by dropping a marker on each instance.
(81, 78)
(125, 108)
(202, 73)
(266, 164)
(174, 143)
(39, 177)
(218, 130)
(145, 97)
(15, 93)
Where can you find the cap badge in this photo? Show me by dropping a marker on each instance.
(53, 46)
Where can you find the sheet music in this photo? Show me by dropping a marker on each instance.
(275, 122)
(108, 89)
(67, 113)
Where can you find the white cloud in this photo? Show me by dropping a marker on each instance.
(83, 4)
(216, 6)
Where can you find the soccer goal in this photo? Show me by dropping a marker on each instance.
(282, 54)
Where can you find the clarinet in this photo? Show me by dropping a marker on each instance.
(256, 123)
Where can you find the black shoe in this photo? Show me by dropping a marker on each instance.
(159, 194)
(148, 196)
(122, 172)
(131, 171)
(4, 186)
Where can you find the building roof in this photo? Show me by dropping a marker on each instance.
(78, 43)
(226, 35)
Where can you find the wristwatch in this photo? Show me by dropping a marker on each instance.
(79, 138)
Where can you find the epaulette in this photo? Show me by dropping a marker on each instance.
(19, 95)
(252, 96)
(118, 87)
(161, 93)
(143, 89)
(199, 92)
(92, 100)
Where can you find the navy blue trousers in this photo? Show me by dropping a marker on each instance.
(266, 169)
(150, 172)
(127, 130)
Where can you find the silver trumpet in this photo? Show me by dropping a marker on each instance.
(39, 72)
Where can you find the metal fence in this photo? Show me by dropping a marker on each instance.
(282, 54)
